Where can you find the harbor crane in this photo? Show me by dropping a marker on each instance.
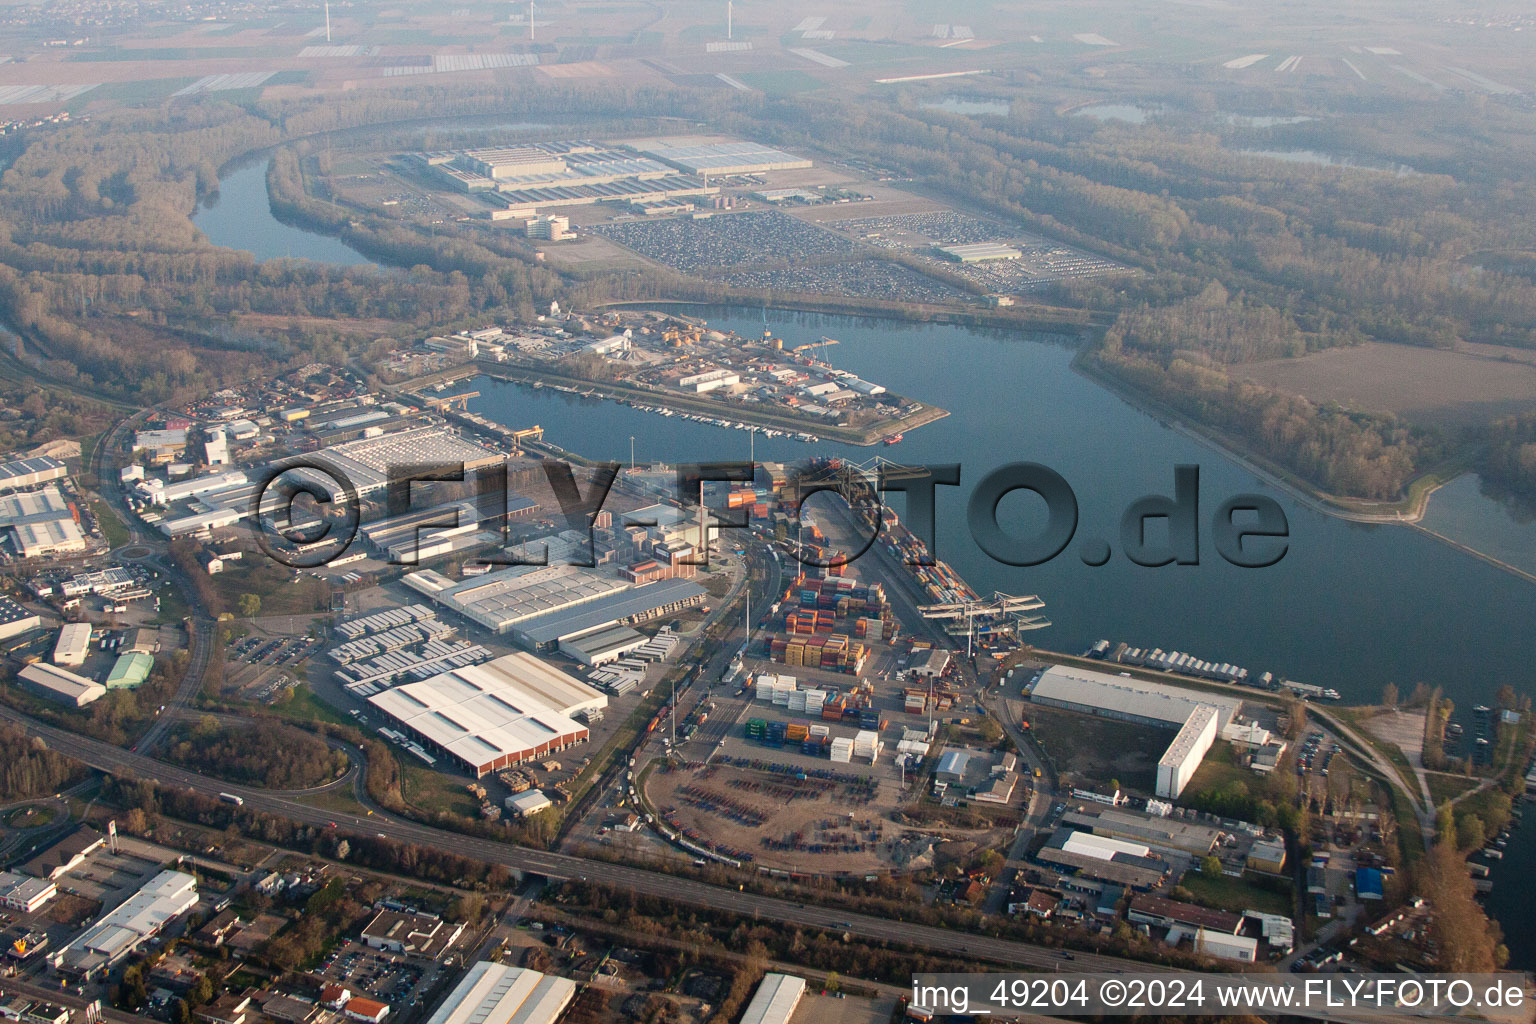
(1000, 613)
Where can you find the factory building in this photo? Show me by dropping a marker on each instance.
(20, 474)
(40, 523)
(1183, 756)
(368, 461)
(605, 645)
(628, 607)
(709, 380)
(130, 670)
(73, 644)
(507, 162)
(1104, 859)
(159, 492)
(980, 252)
(59, 685)
(199, 523)
(15, 619)
(113, 938)
(492, 716)
(21, 892)
(50, 537)
(1191, 837)
(1198, 716)
(775, 1000)
(492, 993)
(715, 156)
(500, 600)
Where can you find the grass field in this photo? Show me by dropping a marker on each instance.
(433, 791)
(111, 526)
(1219, 770)
(306, 707)
(781, 83)
(1235, 894)
(1444, 787)
(1428, 386)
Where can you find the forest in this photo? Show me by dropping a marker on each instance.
(259, 753)
(28, 768)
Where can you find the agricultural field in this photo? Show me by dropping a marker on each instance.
(1467, 387)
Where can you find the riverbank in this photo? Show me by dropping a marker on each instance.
(1408, 511)
(620, 392)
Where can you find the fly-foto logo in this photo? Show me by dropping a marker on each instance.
(1246, 530)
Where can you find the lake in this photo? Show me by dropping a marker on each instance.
(239, 216)
(1352, 606)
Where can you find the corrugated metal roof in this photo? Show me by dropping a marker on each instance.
(775, 1001)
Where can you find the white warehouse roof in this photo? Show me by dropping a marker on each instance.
(1102, 847)
(775, 1001)
(497, 994)
(490, 716)
(1189, 738)
(73, 643)
(60, 684)
(1124, 696)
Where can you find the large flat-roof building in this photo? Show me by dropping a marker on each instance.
(1198, 716)
(541, 607)
(696, 154)
(40, 523)
(1104, 859)
(605, 645)
(368, 461)
(775, 1000)
(47, 537)
(980, 252)
(498, 994)
(59, 685)
(73, 644)
(19, 474)
(1192, 837)
(628, 607)
(1183, 756)
(492, 716)
(162, 899)
(499, 600)
(15, 619)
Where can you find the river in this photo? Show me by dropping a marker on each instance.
(239, 216)
(1350, 606)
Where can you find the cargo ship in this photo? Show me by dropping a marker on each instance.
(895, 438)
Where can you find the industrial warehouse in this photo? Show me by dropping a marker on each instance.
(492, 716)
(1199, 717)
(162, 899)
(661, 175)
(522, 179)
(491, 993)
(543, 606)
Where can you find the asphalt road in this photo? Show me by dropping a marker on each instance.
(560, 867)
